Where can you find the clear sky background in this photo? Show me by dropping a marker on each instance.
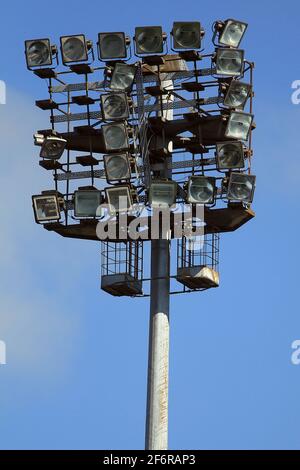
(76, 357)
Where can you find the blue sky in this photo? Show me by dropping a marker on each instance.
(77, 358)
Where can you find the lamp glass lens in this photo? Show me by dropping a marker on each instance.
(187, 35)
(232, 33)
(38, 52)
(162, 194)
(230, 155)
(122, 77)
(119, 199)
(229, 62)
(241, 187)
(74, 49)
(114, 106)
(149, 40)
(46, 208)
(112, 46)
(238, 126)
(115, 136)
(87, 203)
(53, 148)
(237, 94)
(117, 167)
(201, 190)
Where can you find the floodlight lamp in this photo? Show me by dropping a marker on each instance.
(232, 32)
(87, 203)
(112, 46)
(229, 62)
(187, 35)
(162, 193)
(239, 125)
(46, 208)
(117, 167)
(74, 48)
(237, 94)
(115, 136)
(53, 147)
(201, 190)
(122, 77)
(114, 106)
(149, 40)
(241, 187)
(39, 52)
(230, 155)
(119, 199)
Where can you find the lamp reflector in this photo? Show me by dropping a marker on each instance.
(186, 35)
(229, 62)
(74, 48)
(115, 136)
(123, 77)
(238, 126)
(114, 106)
(38, 52)
(162, 193)
(87, 203)
(230, 155)
(46, 208)
(112, 46)
(241, 187)
(117, 167)
(232, 33)
(149, 40)
(119, 199)
(201, 190)
(53, 147)
(237, 94)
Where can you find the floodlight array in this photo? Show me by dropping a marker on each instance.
(123, 138)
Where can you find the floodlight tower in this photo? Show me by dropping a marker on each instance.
(137, 127)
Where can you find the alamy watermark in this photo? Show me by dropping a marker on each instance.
(2, 353)
(295, 357)
(162, 223)
(296, 93)
(2, 92)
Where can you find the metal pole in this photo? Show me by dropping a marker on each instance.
(159, 332)
(158, 367)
